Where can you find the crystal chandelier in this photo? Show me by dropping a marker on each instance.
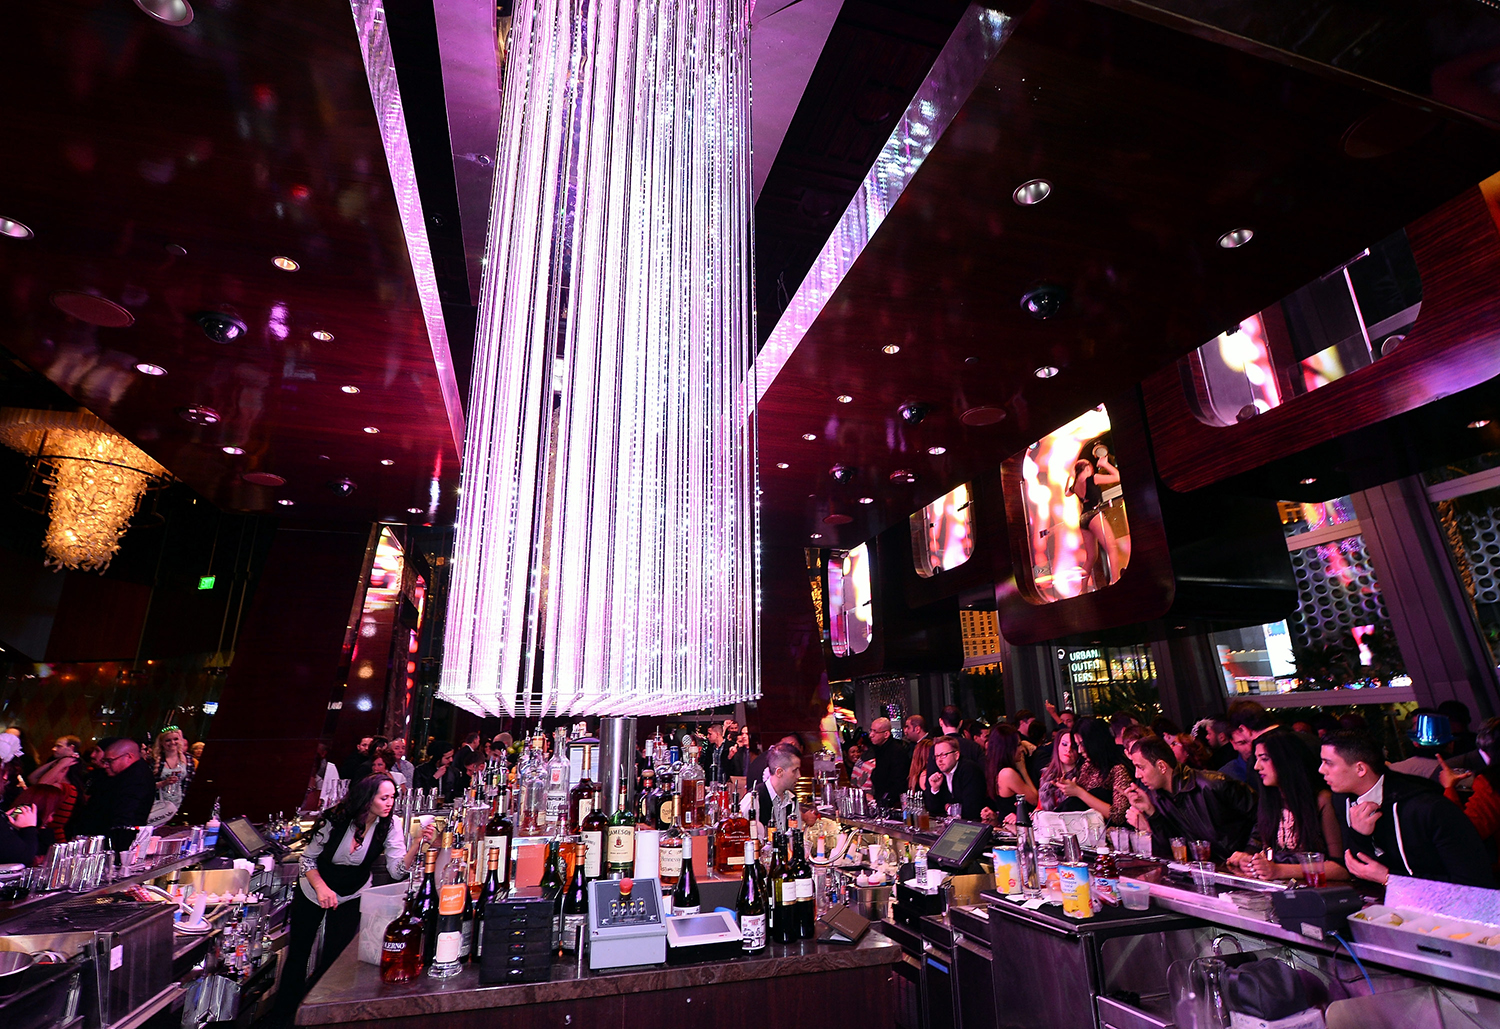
(98, 479)
(606, 547)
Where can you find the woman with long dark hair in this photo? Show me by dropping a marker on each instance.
(346, 842)
(1296, 813)
(1067, 758)
(1103, 775)
(1005, 773)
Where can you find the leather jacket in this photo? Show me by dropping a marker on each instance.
(1202, 806)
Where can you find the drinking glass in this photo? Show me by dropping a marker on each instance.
(1312, 867)
(1202, 850)
(1203, 876)
(1179, 850)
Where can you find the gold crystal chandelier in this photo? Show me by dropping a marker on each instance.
(98, 478)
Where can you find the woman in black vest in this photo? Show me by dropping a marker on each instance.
(347, 841)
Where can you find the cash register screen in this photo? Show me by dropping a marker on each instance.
(958, 845)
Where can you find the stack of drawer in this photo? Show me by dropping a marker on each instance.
(518, 944)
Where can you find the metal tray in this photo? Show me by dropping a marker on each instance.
(1430, 948)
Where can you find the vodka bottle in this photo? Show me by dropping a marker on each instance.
(558, 774)
(533, 776)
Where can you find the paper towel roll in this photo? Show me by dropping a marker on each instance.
(647, 854)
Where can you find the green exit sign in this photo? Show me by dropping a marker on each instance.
(206, 582)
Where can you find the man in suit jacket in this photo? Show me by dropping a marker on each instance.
(956, 781)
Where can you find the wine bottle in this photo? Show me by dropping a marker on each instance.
(685, 897)
(493, 889)
(751, 904)
(497, 838)
(466, 932)
(453, 894)
(803, 877)
(776, 878)
(575, 907)
(427, 904)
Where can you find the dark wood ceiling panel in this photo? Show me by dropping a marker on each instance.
(1157, 143)
(247, 135)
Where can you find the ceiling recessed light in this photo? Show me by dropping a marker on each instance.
(1309, 480)
(782, 464)
(286, 264)
(322, 335)
(844, 398)
(935, 451)
(175, 249)
(809, 436)
(95, 310)
(387, 461)
(198, 415)
(1236, 238)
(371, 429)
(1033, 192)
(817, 535)
(146, 368)
(867, 500)
(14, 229)
(1479, 423)
(175, 13)
(233, 451)
(413, 510)
(904, 475)
(982, 416)
(286, 503)
(263, 479)
(890, 348)
(1046, 371)
(349, 389)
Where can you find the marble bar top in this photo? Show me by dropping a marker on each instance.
(351, 991)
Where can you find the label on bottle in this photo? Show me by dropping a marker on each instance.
(555, 775)
(394, 946)
(753, 930)
(496, 843)
(788, 891)
(695, 909)
(735, 860)
(804, 889)
(446, 951)
(451, 898)
(466, 938)
(593, 855)
(621, 843)
(570, 925)
(585, 807)
(671, 863)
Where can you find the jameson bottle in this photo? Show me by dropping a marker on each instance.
(401, 951)
(493, 889)
(619, 843)
(751, 903)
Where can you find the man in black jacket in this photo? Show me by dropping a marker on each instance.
(892, 763)
(956, 781)
(1188, 803)
(123, 797)
(1398, 824)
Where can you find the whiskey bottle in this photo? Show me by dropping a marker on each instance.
(619, 842)
(730, 836)
(671, 855)
(685, 896)
(401, 950)
(751, 903)
(593, 830)
(581, 801)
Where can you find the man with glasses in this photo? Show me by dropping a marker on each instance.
(958, 780)
(123, 797)
(892, 762)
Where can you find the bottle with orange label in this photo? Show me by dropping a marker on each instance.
(453, 897)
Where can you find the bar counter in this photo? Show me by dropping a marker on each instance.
(843, 984)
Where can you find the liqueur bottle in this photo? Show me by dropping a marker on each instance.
(691, 791)
(802, 874)
(751, 903)
(671, 855)
(729, 840)
(498, 835)
(493, 889)
(453, 897)
(401, 950)
(685, 896)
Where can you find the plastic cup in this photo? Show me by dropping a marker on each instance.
(1203, 876)
(1312, 867)
(1136, 896)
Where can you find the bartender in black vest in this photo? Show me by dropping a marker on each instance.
(347, 841)
(771, 801)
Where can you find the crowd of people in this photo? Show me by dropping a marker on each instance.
(88, 789)
(1259, 790)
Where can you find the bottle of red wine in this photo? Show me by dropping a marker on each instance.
(802, 874)
(491, 890)
(685, 895)
(751, 903)
(575, 907)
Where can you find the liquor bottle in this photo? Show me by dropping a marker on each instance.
(453, 896)
(648, 783)
(776, 879)
(685, 896)
(497, 839)
(533, 784)
(619, 842)
(751, 903)
(671, 855)
(729, 840)
(581, 801)
(657, 806)
(427, 903)
(492, 890)
(802, 874)
(558, 774)
(690, 791)
(1026, 853)
(401, 950)
(575, 908)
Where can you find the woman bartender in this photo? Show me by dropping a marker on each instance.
(336, 867)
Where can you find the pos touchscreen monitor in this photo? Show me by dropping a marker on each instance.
(244, 837)
(960, 845)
